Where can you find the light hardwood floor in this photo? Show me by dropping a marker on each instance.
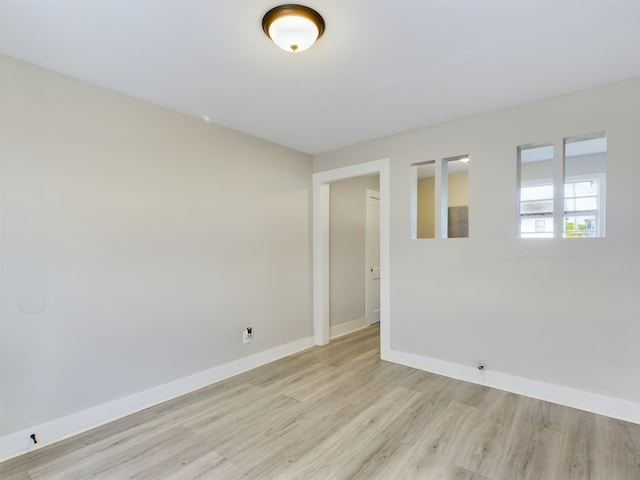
(338, 412)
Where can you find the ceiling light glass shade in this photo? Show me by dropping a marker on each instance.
(293, 34)
(293, 28)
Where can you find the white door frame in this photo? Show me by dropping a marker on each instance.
(321, 181)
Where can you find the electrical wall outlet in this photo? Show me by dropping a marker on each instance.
(247, 334)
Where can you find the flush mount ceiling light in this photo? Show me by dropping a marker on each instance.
(293, 28)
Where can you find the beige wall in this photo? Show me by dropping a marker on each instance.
(426, 206)
(150, 239)
(458, 189)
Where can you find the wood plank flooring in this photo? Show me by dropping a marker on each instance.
(338, 412)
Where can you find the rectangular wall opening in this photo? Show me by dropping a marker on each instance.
(535, 191)
(456, 194)
(585, 169)
(423, 201)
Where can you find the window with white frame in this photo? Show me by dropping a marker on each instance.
(583, 213)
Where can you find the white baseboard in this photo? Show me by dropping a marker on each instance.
(348, 327)
(570, 397)
(19, 443)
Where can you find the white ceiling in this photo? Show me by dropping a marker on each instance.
(382, 66)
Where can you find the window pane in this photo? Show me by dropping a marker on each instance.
(536, 227)
(581, 189)
(536, 207)
(581, 204)
(539, 192)
(580, 226)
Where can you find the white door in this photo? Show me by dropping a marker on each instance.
(372, 253)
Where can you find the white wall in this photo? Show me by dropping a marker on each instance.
(347, 222)
(153, 238)
(560, 311)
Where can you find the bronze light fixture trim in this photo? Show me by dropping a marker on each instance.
(292, 27)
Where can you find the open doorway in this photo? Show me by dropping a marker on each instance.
(354, 238)
(321, 250)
